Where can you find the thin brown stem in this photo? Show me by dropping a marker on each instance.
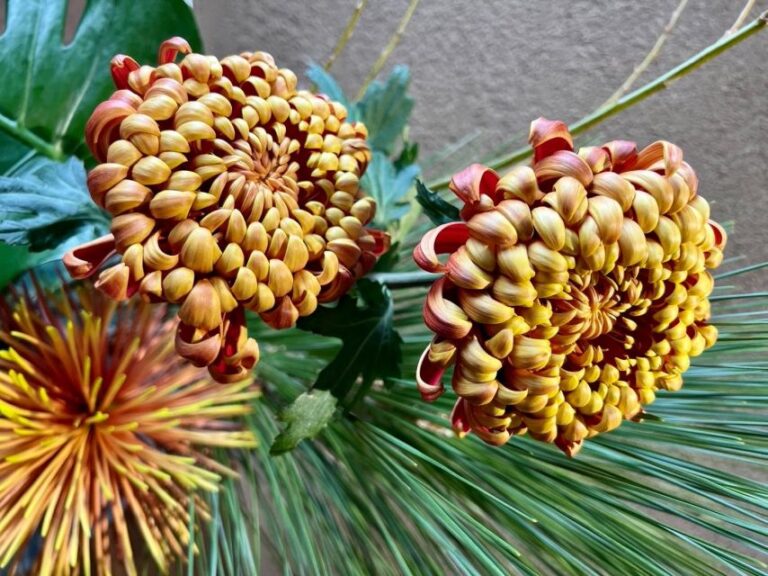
(389, 48)
(650, 57)
(743, 15)
(661, 83)
(349, 29)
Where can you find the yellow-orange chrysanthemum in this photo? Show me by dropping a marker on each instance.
(229, 189)
(103, 427)
(575, 289)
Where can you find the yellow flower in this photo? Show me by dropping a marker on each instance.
(102, 426)
(575, 289)
(230, 190)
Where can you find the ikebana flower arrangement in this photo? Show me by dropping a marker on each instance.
(232, 303)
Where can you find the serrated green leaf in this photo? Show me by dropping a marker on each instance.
(385, 109)
(47, 206)
(49, 89)
(326, 84)
(370, 344)
(437, 210)
(304, 418)
(389, 188)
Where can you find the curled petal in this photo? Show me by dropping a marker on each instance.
(201, 350)
(443, 317)
(170, 48)
(428, 377)
(103, 126)
(563, 163)
(660, 155)
(443, 239)
(721, 237)
(549, 136)
(84, 260)
(114, 281)
(284, 315)
(472, 182)
(121, 67)
(655, 184)
(623, 154)
(459, 419)
(597, 158)
(519, 183)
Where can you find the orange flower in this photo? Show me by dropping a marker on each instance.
(102, 426)
(574, 290)
(230, 190)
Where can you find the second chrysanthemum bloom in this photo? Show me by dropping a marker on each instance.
(230, 190)
(574, 290)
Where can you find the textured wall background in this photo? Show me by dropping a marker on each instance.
(492, 66)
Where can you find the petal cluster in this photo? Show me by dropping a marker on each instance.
(229, 189)
(574, 289)
(103, 427)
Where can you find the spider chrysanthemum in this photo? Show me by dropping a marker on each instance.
(575, 289)
(105, 434)
(229, 190)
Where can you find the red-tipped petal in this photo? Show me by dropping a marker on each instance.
(623, 154)
(563, 163)
(471, 182)
(103, 125)
(428, 377)
(549, 136)
(661, 155)
(121, 66)
(443, 317)
(460, 419)
(441, 240)
(84, 260)
(171, 47)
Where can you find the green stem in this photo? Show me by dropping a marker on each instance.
(404, 279)
(54, 152)
(657, 85)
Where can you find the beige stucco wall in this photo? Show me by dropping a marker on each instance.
(492, 66)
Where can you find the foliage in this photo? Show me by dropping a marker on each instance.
(370, 345)
(386, 488)
(303, 419)
(439, 211)
(385, 109)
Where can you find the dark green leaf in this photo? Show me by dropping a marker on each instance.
(13, 261)
(408, 155)
(389, 188)
(385, 109)
(305, 418)
(437, 210)
(47, 206)
(49, 90)
(371, 346)
(326, 84)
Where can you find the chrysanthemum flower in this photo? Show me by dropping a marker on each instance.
(102, 427)
(575, 289)
(229, 189)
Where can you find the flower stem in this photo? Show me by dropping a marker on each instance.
(346, 34)
(657, 85)
(25, 135)
(389, 48)
(404, 279)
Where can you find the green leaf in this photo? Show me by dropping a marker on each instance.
(408, 155)
(305, 418)
(370, 344)
(13, 261)
(437, 210)
(50, 89)
(389, 188)
(385, 109)
(326, 84)
(47, 205)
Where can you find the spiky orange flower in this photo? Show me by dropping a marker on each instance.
(103, 427)
(575, 289)
(229, 189)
